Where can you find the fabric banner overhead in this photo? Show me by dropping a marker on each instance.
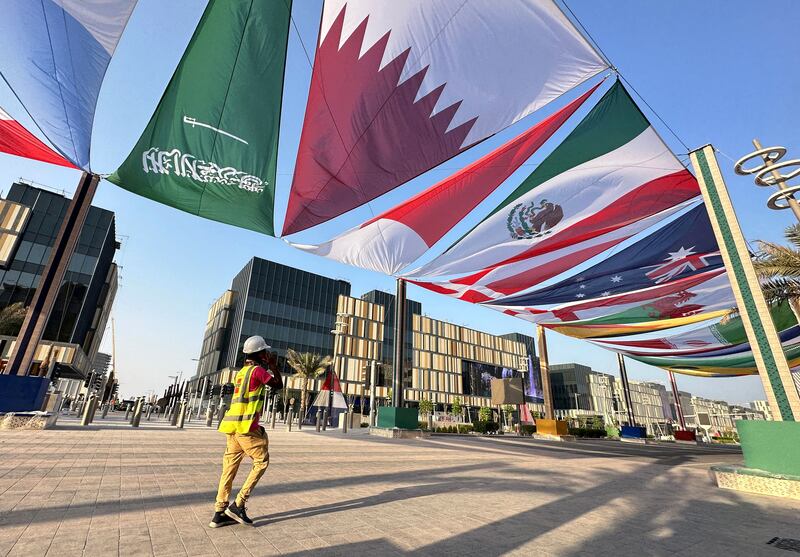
(210, 148)
(16, 140)
(55, 55)
(685, 247)
(503, 280)
(611, 171)
(396, 238)
(399, 87)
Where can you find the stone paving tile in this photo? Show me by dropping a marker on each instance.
(113, 490)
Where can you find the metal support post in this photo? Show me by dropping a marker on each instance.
(344, 422)
(210, 414)
(325, 416)
(289, 418)
(128, 408)
(175, 411)
(677, 396)
(149, 411)
(626, 389)
(399, 342)
(106, 406)
(319, 420)
(373, 377)
(274, 415)
(545, 369)
(93, 408)
(44, 299)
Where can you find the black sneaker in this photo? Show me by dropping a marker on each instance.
(238, 514)
(220, 519)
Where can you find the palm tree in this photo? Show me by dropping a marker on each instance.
(11, 318)
(779, 269)
(308, 366)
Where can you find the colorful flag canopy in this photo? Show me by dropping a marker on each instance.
(611, 171)
(396, 238)
(16, 140)
(55, 55)
(210, 148)
(500, 281)
(685, 247)
(399, 87)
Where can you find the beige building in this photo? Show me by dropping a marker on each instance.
(763, 407)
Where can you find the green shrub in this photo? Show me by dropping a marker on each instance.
(485, 426)
(586, 432)
(527, 429)
(464, 428)
(364, 424)
(484, 414)
(423, 425)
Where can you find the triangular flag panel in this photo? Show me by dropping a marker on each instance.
(612, 170)
(400, 86)
(396, 238)
(55, 55)
(16, 140)
(685, 247)
(210, 148)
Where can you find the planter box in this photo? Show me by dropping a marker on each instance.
(551, 427)
(685, 436)
(402, 418)
(771, 446)
(22, 393)
(633, 432)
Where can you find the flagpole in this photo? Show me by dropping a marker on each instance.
(44, 299)
(677, 396)
(544, 367)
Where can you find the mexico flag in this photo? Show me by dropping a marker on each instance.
(16, 140)
(611, 171)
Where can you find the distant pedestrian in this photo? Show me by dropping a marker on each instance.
(244, 434)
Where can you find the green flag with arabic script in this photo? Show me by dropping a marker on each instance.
(211, 146)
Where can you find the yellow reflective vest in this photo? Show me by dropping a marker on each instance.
(245, 404)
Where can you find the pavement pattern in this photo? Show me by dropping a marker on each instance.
(110, 489)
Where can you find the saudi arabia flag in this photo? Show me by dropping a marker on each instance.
(611, 171)
(210, 148)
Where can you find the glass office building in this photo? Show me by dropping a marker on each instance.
(290, 308)
(87, 292)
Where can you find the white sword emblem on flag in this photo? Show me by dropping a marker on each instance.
(192, 122)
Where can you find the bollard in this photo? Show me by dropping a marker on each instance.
(127, 412)
(210, 414)
(289, 419)
(137, 413)
(87, 409)
(221, 414)
(319, 420)
(79, 411)
(93, 409)
(174, 418)
(149, 411)
(274, 415)
(344, 422)
(325, 420)
(105, 410)
(182, 415)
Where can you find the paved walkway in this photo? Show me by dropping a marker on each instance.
(113, 490)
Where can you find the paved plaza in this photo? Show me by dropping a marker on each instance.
(113, 490)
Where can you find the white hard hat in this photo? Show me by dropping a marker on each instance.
(255, 344)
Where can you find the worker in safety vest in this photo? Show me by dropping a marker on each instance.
(245, 436)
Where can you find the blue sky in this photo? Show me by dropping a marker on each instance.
(711, 69)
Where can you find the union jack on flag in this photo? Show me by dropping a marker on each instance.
(680, 261)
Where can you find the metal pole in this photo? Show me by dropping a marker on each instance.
(289, 418)
(319, 420)
(44, 299)
(210, 414)
(626, 388)
(274, 414)
(137, 412)
(545, 369)
(373, 377)
(399, 342)
(128, 409)
(105, 409)
(780, 182)
(175, 411)
(149, 411)
(677, 396)
(325, 416)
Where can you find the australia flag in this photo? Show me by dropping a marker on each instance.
(682, 248)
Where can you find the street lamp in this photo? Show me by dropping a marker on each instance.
(769, 174)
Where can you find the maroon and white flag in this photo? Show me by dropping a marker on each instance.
(400, 86)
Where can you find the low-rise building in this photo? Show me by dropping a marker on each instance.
(763, 407)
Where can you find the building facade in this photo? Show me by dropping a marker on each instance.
(763, 407)
(75, 328)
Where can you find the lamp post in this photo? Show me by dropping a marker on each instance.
(770, 174)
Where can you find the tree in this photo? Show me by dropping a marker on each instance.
(11, 318)
(307, 366)
(458, 409)
(779, 268)
(484, 414)
(425, 407)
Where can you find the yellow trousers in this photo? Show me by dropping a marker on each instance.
(256, 446)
